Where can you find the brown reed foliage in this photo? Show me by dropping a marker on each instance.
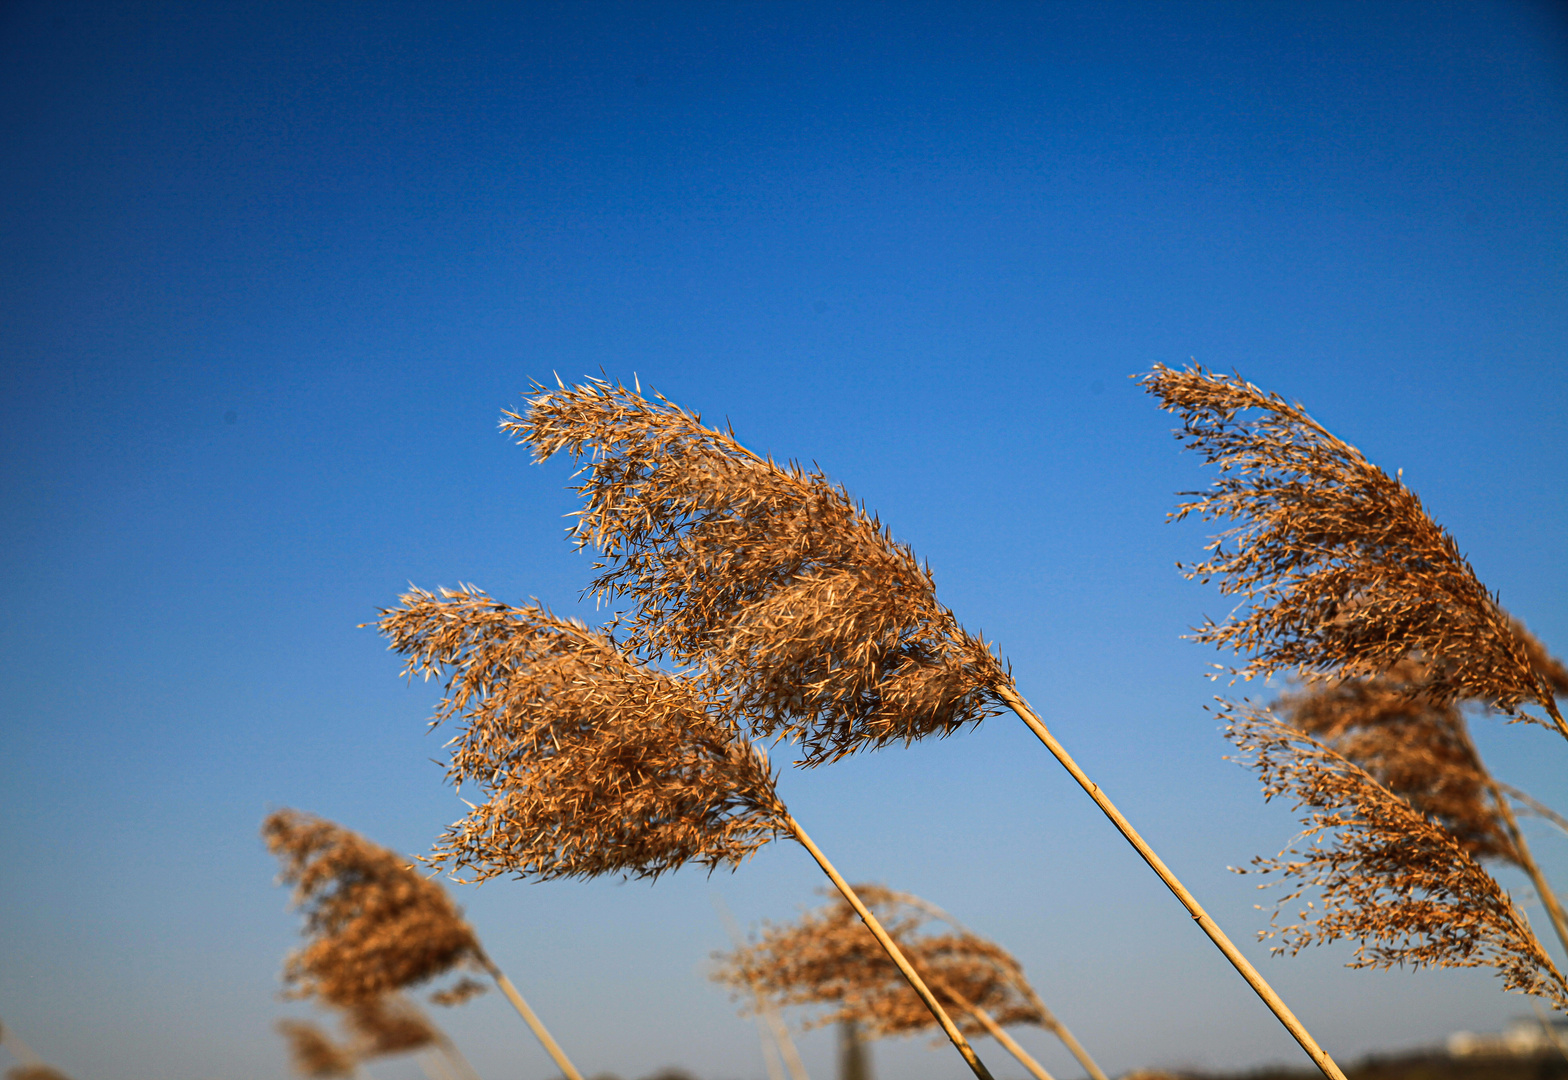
(818, 626)
(313, 1053)
(34, 1072)
(1385, 876)
(1344, 571)
(828, 960)
(388, 1025)
(463, 990)
(373, 925)
(592, 762)
(1417, 748)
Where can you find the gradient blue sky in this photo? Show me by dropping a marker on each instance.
(273, 271)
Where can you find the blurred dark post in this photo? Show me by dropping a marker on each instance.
(854, 1059)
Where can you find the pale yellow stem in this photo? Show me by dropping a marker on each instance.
(1049, 1021)
(1554, 907)
(893, 951)
(550, 1045)
(766, 1013)
(995, 1030)
(1276, 1005)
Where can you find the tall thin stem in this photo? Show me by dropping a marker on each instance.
(1049, 1021)
(551, 1046)
(765, 1011)
(1554, 907)
(893, 951)
(1275, 1003)
(995, 1030)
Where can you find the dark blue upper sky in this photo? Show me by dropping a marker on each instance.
(273, 271)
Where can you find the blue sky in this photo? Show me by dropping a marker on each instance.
(274, 271)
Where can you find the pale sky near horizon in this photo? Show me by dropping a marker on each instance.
(274, 271)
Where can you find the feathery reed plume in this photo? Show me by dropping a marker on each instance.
(313, 1053)
(593, 762)
(824, 628)
(460, 992)
(1345, 572)
(1421, 750)
(826, 960)
(1384, 875)
(376, 926)
(373, 925)
(813, 622)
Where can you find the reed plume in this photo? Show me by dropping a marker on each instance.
(809, 620)
(375, 926)
(386, 1026)
(592, 761)
(34, 1072)
(823, 629)
(1343, 571)
(1383, 874)
(826, 960)
(313, 1053)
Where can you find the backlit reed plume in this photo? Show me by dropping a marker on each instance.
(1421, 750)
(826, 960)
(393, 1025)
(1344, 572)
(592, 762)
(1379, 872)
(313, 1053)
(793, 601)
(373, 925)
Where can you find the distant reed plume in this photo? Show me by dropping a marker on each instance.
(386, 1026)
(825, 959)
(34, 1072)
(789, 600)
(313, 1053)
(591, 761)
(1421, 750)
(776, 1041)
(1383, 874)
(1344, 571)
(374, 926)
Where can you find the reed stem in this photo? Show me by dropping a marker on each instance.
(551, 1046)
(1059, 1029)
(1554, 907)
(893, 951)
(765, 1010)
(995, 1030)
(1275, 1003)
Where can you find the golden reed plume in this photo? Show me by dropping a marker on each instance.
(1346, 573)
(790, 601)
(1383, 874)
(313, 1053)
(825, 959)
(375, 927)
(591, 761)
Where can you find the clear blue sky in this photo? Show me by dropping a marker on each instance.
(273, 271)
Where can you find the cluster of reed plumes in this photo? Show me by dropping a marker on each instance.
(1358, 593)
(756, 600)
(826, 960)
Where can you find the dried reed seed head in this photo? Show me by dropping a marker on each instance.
(372, 924)
(460, 992)
(830, 960)
(388, 1025)
(818, 624)
(1382, 875)
(1419, 750)
(34, 1072)
(1543, 663)
(313, 1053)
(1346, 573)
(591, 762)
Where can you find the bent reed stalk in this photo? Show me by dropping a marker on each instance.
(784, 591)
(1206, 923)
